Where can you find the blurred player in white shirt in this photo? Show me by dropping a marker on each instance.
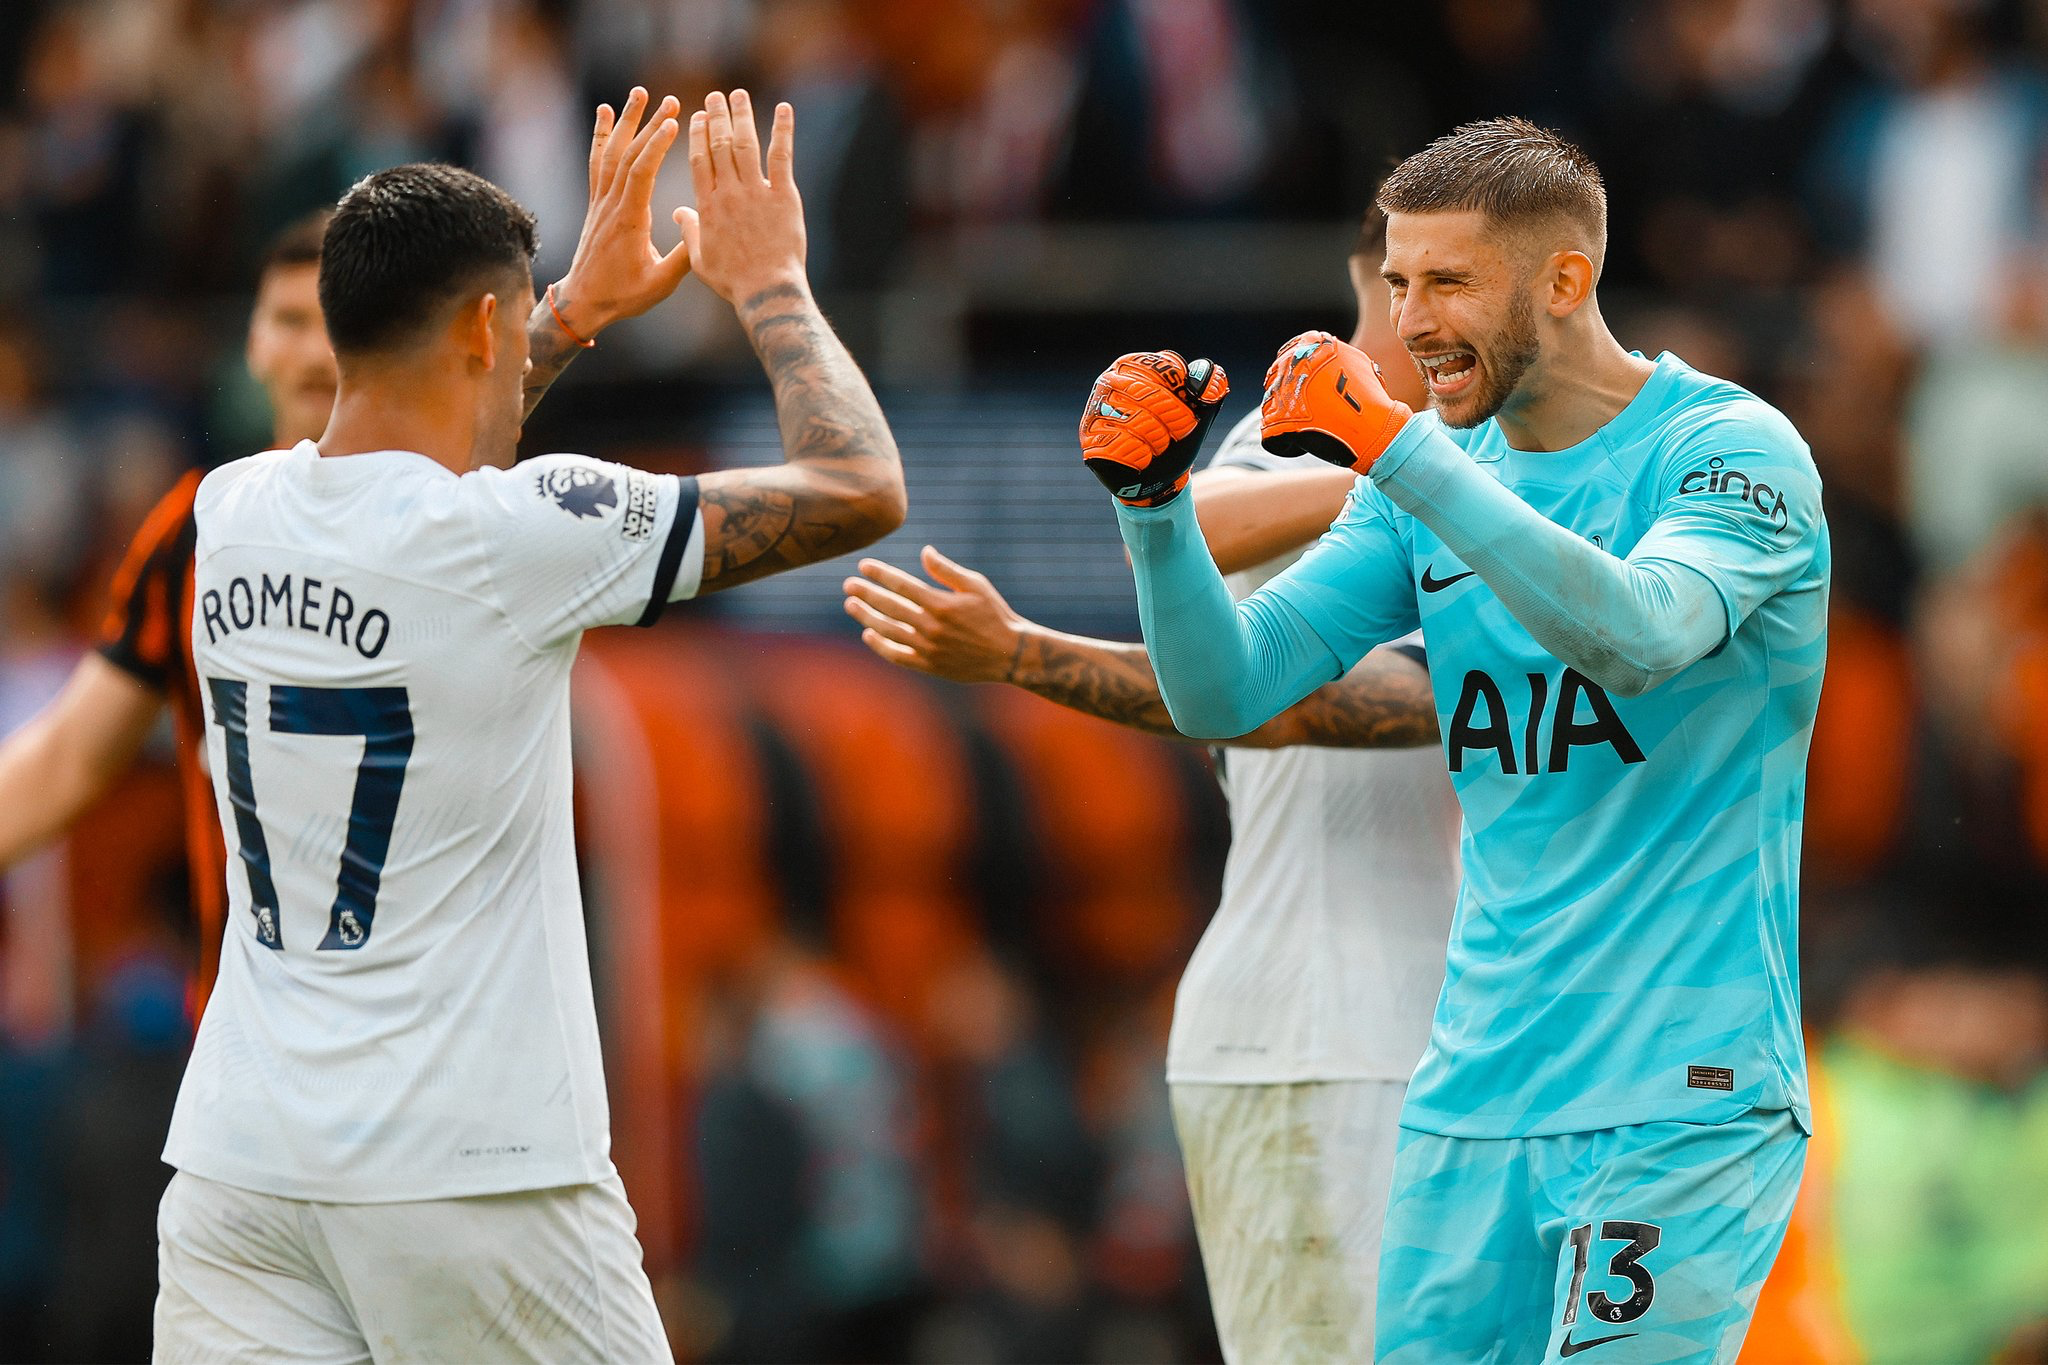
(392, 1141)
(1307, 1002)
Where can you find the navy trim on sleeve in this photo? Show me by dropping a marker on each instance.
(1414, 652)
(672, 551)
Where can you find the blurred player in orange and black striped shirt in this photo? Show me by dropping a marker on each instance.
(60, 763)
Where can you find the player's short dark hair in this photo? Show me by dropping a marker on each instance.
(1372, 236)
(297, 244)
(1513, 171)
(406, 243)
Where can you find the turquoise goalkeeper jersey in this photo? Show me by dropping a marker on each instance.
(1624, 947)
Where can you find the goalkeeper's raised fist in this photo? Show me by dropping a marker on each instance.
(1324, 398)
(1145, 421)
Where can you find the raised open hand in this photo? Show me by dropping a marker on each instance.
(618, 272)
(960, 629)
(746, 234)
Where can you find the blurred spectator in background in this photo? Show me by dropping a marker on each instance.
(1708, 109)
(42, 477)
(1937, 160)
(1976, 451)
(811, 1214)
(1029, 1169)
(1939, 1153)
(106, 1173)
(1173, 116)
(82, 164)
(530, 119)
(855, 196)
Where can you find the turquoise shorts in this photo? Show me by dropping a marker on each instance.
(1629, 1245)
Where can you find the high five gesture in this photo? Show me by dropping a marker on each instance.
(747, 233)
(842, 485)
(617, 272)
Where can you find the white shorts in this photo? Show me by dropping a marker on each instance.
(1289, 1186)
(541, 1275)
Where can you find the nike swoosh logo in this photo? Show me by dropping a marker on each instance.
(1572, 1348)
(1431, 583)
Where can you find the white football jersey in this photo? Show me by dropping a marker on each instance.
(404, 1009)
(1326, 955)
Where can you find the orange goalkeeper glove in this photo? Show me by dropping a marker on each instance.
(1324, 398)
(1145, 421)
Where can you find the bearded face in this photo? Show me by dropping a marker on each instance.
(1462, 299)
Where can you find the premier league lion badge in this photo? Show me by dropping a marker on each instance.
(579, 491)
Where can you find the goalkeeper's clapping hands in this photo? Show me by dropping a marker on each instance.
(1144, 423)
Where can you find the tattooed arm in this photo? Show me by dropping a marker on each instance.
(962, 629)
(841, 484)
(1383, 703)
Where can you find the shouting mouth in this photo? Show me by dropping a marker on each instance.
(1449, 373)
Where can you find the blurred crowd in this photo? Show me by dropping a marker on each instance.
(1842, 204)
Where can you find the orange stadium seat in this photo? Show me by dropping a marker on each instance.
(673, 832)
(1856, 791)
(1097, 792)
(891, 779)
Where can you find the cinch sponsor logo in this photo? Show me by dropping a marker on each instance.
(1718, 478)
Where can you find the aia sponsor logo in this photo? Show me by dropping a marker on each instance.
(1718, 478)
(1538, 736)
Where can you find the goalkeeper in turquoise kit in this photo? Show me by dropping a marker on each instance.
(1621, 570)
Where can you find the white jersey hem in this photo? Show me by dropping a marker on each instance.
(1311, 1075)
(338, 1192)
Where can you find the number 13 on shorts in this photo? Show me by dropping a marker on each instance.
(1626, 1246)
(1641, 1239)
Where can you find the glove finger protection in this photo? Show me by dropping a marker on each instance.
(1144, 423)
(1324, 398)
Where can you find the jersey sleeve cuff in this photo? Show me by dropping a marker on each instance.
(683, 548)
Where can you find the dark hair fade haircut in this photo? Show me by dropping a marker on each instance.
(1507, 168)
(298, 243)
(405, 243)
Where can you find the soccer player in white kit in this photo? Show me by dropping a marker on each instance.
(1307, 1002)
(392, 1141)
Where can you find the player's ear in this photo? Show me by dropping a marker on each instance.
(1571, 282)
(474, 328)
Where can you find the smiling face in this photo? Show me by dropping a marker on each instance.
(1466, 300)
(289, 353)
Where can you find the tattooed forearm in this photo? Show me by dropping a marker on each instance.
(753, 528)
(822, 402)
(1384, 703)
(842, 485)
(551, 350)
(1096, 677)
